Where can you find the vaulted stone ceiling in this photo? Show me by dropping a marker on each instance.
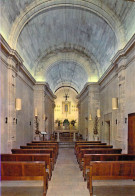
(67, 42)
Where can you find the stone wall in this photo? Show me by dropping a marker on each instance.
(88, 105)
(16, 82)
(118, 82)
(44, 102)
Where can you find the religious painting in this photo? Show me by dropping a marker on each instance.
(66, 107)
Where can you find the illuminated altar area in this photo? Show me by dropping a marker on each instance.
(66, 110)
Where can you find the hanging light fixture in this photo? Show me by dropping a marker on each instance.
(18, 104)
(115, 103)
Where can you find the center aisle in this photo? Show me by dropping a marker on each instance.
(67, 179)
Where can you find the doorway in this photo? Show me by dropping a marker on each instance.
(131, 133)
(107, 131)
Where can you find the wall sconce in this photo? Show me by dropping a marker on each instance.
(44, 117)
(114, 103)
(125, 120)
(14, 120)
(86, 118)
(18, 104)
(36, 114)
(6, 120)
(98, 113)
(90, 117)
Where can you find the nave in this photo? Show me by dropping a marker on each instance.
(67, 180)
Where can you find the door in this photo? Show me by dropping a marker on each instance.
(107, 132)
(131, 133)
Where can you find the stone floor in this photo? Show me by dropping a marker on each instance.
(67, 180)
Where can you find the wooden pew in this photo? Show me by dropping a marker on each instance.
(104, 157)
(96, 151)
(110, 170)
(48, 141)
(78, 148)
(37, 151)
(30, 157)
(88, 142)
(24, 171)
(41, 147)
(40, 144)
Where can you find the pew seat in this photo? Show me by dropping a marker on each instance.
(11, 171)
(30, 157)
(80, 156)
(110, 170)
(104, 157)
(37, 151)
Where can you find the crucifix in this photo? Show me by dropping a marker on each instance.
(66, 97)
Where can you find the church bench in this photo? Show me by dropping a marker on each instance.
(104, 157)
(37, 151)
(43, 144)
(79, 147)
(48, 141)
(41, 147)
(80, 156)
(110, 170)
(87, 142)
(30, 157)
(24, 171)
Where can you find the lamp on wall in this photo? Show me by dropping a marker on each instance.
(43, 116)
(18, 104)
(90, 117)
(115, 103)
(36, 114)
(98, 113)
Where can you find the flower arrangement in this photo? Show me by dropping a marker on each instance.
(59, 122)
(65, 122)
(73, 122)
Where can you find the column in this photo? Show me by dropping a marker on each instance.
(11, 103)
(74, 139)
(58, 136)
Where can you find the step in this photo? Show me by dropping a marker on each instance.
(66, 144)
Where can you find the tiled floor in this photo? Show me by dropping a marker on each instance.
(67, 180)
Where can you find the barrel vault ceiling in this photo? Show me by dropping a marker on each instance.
(67, 42)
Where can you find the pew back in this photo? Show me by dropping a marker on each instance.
(110, 170)
(30, 157)
(24, 171)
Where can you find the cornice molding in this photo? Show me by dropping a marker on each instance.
(86, 89)
(13, 54)
(47, 89)
(121, 54)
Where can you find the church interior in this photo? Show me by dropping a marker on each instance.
(67, 97)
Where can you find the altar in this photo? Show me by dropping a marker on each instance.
(67, 132)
